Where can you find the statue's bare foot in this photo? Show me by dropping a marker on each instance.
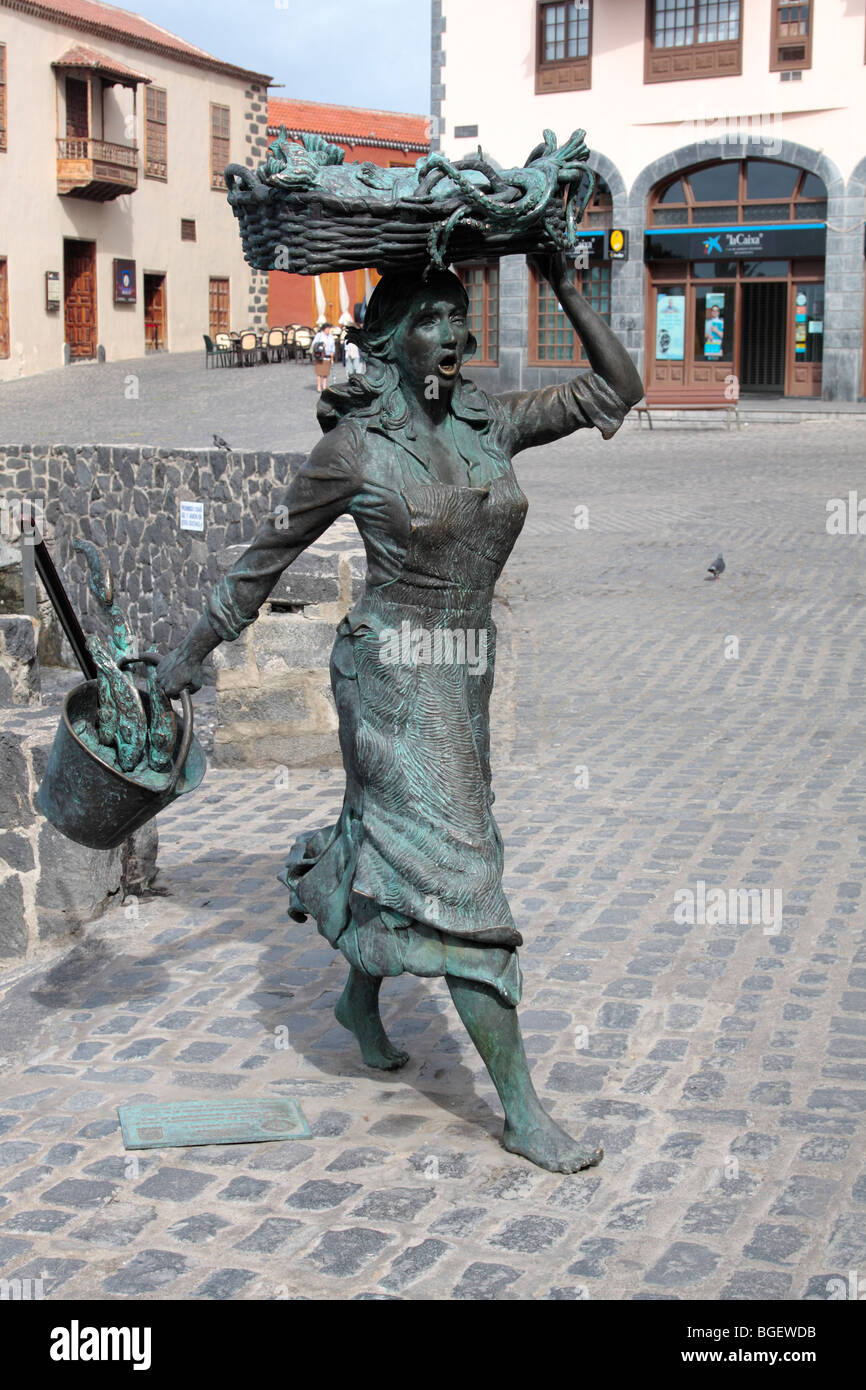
(377, 1049)
(542, 1141)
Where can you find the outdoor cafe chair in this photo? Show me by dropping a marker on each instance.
(225, 343)
(303, 341)
(216, 355)
(275, 345)
(249, 349)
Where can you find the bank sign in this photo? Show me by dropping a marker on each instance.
(778, 241)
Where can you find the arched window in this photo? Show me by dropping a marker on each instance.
(600, 211)
(739, 190)
(735, 258)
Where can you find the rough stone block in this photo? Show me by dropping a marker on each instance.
(292, 641)
(19, 661)
(74, 881)
(277, 750)
(254, 705)
(15, 808)
(13, 927)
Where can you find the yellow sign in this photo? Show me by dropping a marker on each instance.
(616, 240)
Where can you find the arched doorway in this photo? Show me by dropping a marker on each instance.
(735, 263)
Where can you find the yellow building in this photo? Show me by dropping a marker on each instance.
(115, 234)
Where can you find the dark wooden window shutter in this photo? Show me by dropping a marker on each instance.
(791, 36)
(2, 96)
(219, 144)
(688, 39)
(563, 46)
(155, 135)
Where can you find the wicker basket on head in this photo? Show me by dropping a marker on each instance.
(306, 211)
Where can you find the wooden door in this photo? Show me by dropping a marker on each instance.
(330, 283)
(4, 310)
(805, 316)
(77, 116)
(154, 313)
(220, 316)
(666, 336)
(79, 274)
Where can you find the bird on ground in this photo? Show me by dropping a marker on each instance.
(717, 567)
(221, 443)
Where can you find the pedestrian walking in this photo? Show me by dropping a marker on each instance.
(352, 359)
(322, 349)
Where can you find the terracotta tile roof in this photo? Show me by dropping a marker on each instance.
(80, 57)
(350, 123)
(108, 21)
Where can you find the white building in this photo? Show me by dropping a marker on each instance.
(115, 233)
(731, 139)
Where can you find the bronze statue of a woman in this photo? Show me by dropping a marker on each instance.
(410, 877)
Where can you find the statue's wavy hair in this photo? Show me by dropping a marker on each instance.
(379, 393)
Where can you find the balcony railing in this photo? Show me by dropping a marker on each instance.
(104, 150)
(97, 169)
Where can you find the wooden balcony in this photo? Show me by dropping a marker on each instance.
(95, 169)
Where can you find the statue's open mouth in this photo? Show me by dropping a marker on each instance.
(448, 364)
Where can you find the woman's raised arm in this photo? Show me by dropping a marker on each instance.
(601, 397)
(606, 354)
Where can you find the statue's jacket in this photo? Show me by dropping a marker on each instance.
(410, 877)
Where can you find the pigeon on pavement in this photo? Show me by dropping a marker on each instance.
(221, 443)
(717, 567)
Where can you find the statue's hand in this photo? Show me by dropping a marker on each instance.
(554, 268)
(180, 671)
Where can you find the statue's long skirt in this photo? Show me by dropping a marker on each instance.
(410, 877)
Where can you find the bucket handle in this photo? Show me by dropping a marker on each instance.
(151, 659)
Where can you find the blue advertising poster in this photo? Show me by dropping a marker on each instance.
(714, 327)
(670, 326)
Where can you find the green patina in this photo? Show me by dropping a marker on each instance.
(409, 878)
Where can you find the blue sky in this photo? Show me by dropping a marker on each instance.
(354, 52)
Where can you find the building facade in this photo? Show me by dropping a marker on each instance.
(390, 139)
(730, 144)
(115, 234)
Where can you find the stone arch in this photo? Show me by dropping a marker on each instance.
(607, 170)
(705, 151)
(843, 270)
(853, 218)
(858, 175)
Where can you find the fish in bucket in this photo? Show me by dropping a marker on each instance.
(121, 754)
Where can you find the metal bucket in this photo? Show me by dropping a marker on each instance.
(95, 804)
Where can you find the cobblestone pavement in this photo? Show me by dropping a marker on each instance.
(172, 400)
(167, 399)
(722, 1066)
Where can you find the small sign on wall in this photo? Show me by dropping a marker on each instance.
(124, 282)
(617, 244)
(192, 516)
(52, 290)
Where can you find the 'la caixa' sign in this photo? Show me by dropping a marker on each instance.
(599, 246)
(775, 242)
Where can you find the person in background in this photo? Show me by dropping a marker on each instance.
(322, 352)
(352, 358)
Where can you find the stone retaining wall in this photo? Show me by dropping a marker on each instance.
(127, 501)
(49, 886)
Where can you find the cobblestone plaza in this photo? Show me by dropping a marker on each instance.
(656, 735)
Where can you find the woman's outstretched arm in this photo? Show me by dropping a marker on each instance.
(319, 493)
(606, 354)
